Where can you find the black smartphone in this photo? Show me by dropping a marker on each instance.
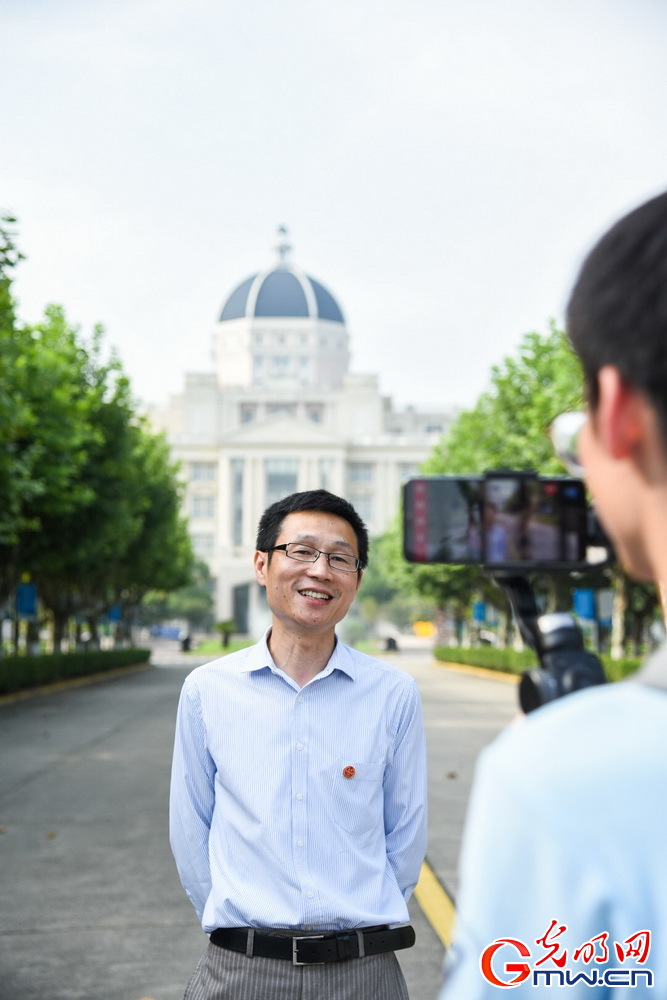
(503, 520)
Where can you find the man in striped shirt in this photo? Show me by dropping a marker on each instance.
(298, 800)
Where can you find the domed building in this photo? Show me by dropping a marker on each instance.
(281, 412)
(281, 325)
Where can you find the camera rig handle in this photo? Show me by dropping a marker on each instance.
(565, 666)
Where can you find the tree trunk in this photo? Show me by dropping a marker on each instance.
(59, 629)
(618, 617)
(32, 638)
(442, 634)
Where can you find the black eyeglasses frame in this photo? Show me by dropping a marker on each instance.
(320, 552)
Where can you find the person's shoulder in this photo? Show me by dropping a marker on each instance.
(229, 664)
(372, 665)
(584, 726)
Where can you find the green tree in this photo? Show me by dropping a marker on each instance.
(89, 499)
(507, 428)
(383, 595)
(45, 440)
(160, 556)
(126, 534)
(192, 602)
(71, 555)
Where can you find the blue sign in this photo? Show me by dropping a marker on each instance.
(479, 611)
(584, 604)
(26, 600)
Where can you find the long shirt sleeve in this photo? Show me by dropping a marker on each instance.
(191, 801)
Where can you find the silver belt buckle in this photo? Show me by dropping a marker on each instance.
(295, 945)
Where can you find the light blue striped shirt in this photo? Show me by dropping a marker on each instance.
(266, 829)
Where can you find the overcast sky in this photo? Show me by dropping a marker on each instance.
(441, 166)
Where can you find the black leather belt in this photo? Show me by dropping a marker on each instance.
(315, 949)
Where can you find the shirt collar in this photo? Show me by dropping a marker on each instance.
(258, 657)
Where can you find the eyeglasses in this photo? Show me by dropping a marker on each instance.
(564, 433)
(307, 554)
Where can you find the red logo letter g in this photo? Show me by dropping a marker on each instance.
(522, 970)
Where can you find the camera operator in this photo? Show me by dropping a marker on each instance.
(564, 852)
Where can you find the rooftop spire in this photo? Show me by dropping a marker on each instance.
(283, 246)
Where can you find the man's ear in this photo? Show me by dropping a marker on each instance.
(620, 415)
(261, 561)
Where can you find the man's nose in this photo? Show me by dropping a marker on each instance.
(321, 566)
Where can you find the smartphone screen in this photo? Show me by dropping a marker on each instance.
(504, 520)
(443, 520)
(503, 506)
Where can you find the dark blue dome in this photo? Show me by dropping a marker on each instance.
(284, 291)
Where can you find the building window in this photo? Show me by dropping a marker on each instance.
(315, 412)
(281, 409)
(360, 472)
(202, 471)
(248, 412)
(203, 545)
(281, 478)
(363, 506)
(326, 468)
(237, 501)
(280, 364)
(203, 506)
(406, 470)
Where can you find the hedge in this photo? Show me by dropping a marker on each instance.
(20, 672)
(512, 661)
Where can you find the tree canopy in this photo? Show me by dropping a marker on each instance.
(507, 428)
(89, 498)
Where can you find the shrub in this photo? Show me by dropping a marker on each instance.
(20, 672)
(514, 661)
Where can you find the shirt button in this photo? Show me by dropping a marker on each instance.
(299, 795)
(299, 746)
(310, 895)
(300, 699)
(299, 843)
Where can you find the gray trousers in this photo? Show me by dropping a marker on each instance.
(229, 975)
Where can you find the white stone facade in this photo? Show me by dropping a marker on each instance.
(282, 413)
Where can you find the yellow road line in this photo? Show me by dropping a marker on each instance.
(493, 675)
(436, 904)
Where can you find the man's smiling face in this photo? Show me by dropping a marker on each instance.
(309, 597)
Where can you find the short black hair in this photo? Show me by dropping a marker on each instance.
(272, 519)
(617, 313)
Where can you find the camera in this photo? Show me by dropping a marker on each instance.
(515, 523)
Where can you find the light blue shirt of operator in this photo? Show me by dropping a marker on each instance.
(567, 823)
(265, 827)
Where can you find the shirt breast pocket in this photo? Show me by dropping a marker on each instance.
(357, 795)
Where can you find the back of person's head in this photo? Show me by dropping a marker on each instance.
(617, 313)
(322, 501)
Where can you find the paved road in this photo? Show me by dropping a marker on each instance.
(91, 905)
